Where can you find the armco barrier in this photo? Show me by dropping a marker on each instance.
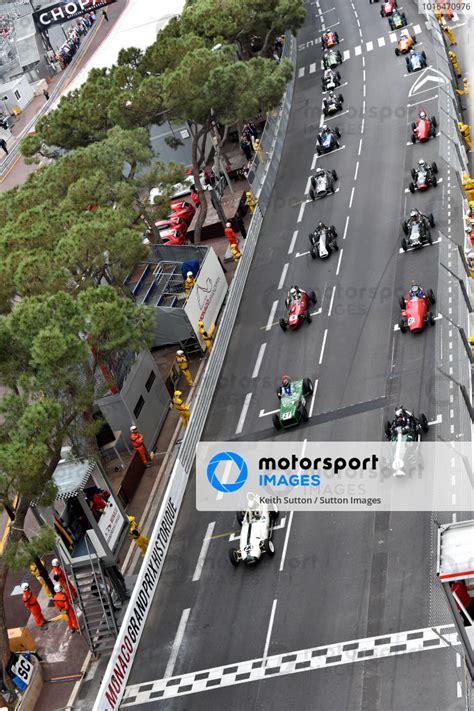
(116, 675)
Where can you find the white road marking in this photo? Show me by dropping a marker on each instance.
(202, 555)
(262, 413)
(243, 414)
(412, 249)
(258, 362)
(324, 155)
(356, 170)
(416, 29)
(346, 226)
(313, 400)
(323, 346)
(360, 147)
(381, 41)
(346, 55)
(269, 631)
(341, 252)
(300, 72)
(407, 642)
(458, 689)
(417, 103)
(338, 88)
(287, 536)
(177, 643)
(312, 68)
(438, 421)
(362, 126)
(301, 212)
(336, 116)
(358, 50)
(410, 74)
(316, 313)
(364, 90)
(272, 316)
(283, 276)
(352, 197)
(314, 161)
(292, 243)
(393, 37)
(332, 300)
(369, 46)
(301, 254)
(440, 180)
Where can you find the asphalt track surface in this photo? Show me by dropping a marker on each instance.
(335, 577)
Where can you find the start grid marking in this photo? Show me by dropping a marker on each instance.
(364, 48)
(361, 650)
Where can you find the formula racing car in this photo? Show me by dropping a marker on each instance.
(323, 240)
(327, 140)
(415, 61)
(405, 43)
(417, 230)
(256, 532)
(297, 304)
(329, 39)
(322, 183)
(423, 176)
(423, 128)
(415, 308)
(332, 103)
(397, 20)
(331, 58)
(388, 8)
(330, 79)
(293, 395)
(404, 432)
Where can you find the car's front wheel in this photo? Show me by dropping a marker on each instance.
(312, 297)
(307, 317)
(412, 187)
(283, 324)
(304, 413)
(404, 244)
(431, 319)
(334, 174)
(402, 302)
(402, 325)
(313, 252)
(424, 423)
(234, 556)
(307, 386)
(276, 421)
(240, 517)
(431, 219)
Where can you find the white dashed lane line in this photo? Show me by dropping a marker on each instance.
(202, 555)
(323, 346)
(301, 212)
(243, 414)
(346, 227)
(351, 198)
(270, 628)
(283, 276)
(258, 362)
(272, 316)
(293, 241)
(177, 643)
(341, 252)
(332, 300)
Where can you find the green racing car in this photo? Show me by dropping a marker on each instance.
(397, 20)
(293, 395)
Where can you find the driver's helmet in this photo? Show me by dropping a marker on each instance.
(285, 380)
(293, 292)
(413, 213)
(421, 162)
(399, 411)
(320, 171)
(422, 114)
(332, 95)
(414, 289)
(412, 52)
(325, 127)
(320, 225)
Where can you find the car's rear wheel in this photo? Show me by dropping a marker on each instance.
(283, 324)
(338, 76)
(412, 187)
(409, 69)
(397, 51)
(318, 150)
(413, 171)
(240, 517)
(312, 297)
(268, 547)
(402, 302)
(307, 386)
(340, 98)
(307, 316)
(434, 181)
(388, 428)
(304, 413)
(434, 167)
(424, 423)
(234, 556)
(274, 516)
(423, 54)
(414, 39)
(333, 231)
(413, 137)
(313, 252)
(404, 244)
(276, 421)
(335, 246)
(312, 194)
(431, 219)
(431, 319)
(405, 226)
(430, 239)
(334, 174)
(431, 296)
(402, 325)
(434, 121)
(337, 132)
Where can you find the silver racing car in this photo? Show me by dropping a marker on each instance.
(256, 532)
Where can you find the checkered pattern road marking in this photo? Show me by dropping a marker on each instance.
(360, 650)
(368, 47)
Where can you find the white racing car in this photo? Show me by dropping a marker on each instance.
(256, 532)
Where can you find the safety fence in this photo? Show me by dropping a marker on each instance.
(121, 661)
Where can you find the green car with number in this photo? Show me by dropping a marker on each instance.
(332, 58)
(397, 20)
(293, 405)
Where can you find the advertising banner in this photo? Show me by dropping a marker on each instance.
(400, 475)
(208, 294)
(67, 10)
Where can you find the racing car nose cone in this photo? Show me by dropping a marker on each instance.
(250, 559)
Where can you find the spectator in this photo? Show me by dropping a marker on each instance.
(46, 94)
(3, 145)
(105, 16)
(246, 147)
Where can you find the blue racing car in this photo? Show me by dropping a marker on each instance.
(416, 61)
(327, 140)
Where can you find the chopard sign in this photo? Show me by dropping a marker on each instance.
(65, 11)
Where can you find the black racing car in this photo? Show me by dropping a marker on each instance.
(327, 140)
(323, 241)
(424, 176)
(330, 79)
(417, 230)
(407, 424)
(322, 183)
(332, 103)
(416, 61)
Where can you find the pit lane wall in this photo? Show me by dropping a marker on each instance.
(116, 675)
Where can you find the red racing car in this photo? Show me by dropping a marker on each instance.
(329, 39)
(297, 305)
(415, 308)
(424, 128)
(183, 209)
(388, 7)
